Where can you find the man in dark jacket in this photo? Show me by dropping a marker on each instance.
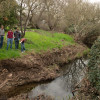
(17, 37)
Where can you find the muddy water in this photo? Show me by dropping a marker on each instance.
(62, 87)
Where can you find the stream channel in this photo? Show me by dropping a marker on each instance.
(59, 89)
(62, 87)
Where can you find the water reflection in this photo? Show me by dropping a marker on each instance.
(62, 87)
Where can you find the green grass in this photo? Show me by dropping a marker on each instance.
(38, 41)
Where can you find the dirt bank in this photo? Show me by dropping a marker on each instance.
(35, 67)
(84, 91)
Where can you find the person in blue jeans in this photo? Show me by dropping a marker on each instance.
(10, 36)
(22, 44)
(2, 33)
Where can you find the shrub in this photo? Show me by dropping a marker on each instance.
(94, 65)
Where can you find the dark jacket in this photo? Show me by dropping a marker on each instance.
(17, 35)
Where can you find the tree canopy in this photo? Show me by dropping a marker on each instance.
(70, 16)
(8, 12)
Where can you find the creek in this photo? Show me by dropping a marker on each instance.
(62, 87)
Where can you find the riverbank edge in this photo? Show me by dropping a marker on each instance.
(36, 67)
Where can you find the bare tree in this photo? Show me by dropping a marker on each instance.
(81, 16)
(25, 8)
(75, 16)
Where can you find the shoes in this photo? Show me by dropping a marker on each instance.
(24, 51)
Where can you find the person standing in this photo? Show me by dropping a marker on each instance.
(10, 36)
(17, 37)
(2, 33)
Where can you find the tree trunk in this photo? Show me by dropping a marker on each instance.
(21, 27)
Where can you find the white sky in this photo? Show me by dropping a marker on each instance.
(93, 1)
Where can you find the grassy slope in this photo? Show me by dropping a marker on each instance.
(38, 41)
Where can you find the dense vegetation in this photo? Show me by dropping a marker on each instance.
(70, 16)
(8, 13)
(38, 41)
(94, 65)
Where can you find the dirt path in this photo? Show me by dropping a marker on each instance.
(35, 67)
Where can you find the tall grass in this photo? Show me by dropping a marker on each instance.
(37, 41)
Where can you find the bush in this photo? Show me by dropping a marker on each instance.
(94, 65)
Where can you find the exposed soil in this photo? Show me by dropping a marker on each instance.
(25, 97)
(35, 68)
(85, 91)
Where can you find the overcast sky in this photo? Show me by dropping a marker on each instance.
(93, 1)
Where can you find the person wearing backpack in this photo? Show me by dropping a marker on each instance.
(2, 33)
(17, 37)
(10, 36)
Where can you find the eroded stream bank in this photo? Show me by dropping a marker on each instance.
(35, 67)
(59, 89)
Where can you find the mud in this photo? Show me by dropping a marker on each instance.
(25, 97)
(35, 68)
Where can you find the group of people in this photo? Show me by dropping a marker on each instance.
(16, 36)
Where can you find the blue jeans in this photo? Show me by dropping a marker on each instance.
(22, 47)
(16, 43)
(10, 40)
(1, 41)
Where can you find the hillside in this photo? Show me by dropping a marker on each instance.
(37, 41)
